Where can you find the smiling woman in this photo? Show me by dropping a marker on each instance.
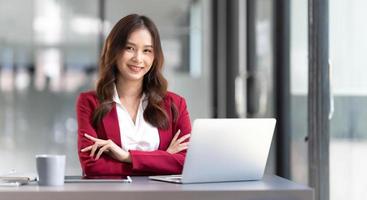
(131, 124)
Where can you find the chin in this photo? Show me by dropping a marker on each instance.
(135, 77)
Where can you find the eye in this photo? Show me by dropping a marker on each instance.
(129, 48)
(148, 50)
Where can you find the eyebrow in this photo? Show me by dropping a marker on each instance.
(130, 43)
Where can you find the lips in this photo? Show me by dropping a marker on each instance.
(135, 69)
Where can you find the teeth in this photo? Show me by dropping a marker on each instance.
(135, 68)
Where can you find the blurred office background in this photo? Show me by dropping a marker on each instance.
(220, 55)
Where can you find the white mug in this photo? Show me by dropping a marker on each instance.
(50, 169)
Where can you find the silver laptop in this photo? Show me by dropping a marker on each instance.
(226, 150)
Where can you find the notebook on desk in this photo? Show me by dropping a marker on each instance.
(225, 150)
(81, 179)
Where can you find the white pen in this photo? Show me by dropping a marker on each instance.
(129, 180)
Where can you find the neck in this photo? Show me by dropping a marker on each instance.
(129, 89)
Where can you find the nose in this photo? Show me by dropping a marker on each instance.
(138, 57)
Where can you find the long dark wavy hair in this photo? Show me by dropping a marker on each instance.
(154, 84)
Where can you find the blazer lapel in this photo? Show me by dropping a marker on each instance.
(111, 126)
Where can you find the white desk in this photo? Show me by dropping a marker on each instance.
(271, 187)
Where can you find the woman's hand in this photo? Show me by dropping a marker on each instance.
(106, 146)
(178, 144)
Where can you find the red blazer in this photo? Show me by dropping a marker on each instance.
(143, 162)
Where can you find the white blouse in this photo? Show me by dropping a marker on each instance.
(139, 136)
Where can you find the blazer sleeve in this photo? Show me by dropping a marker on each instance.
(160, 161)
(104, 166)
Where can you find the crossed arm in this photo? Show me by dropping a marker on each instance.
(101, 157)
(114, 151)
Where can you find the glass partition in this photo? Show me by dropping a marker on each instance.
(44, 58)
(348, 127)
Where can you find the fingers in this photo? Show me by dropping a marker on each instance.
(180, 140)
(182, 148)
(178, 148)
(101, 150)
(94, 149)
(185, 144)
(178, 145)
(183, 138)
(87, 148)
(90, 137)
(175, 136)
(98, 148)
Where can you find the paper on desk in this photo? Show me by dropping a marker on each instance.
(18, 177)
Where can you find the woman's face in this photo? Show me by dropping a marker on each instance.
(137, 57)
